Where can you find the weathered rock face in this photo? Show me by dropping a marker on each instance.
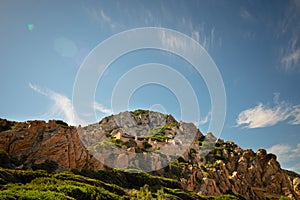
(142, 139)
(37, 142)
(253, 175)
(208, 166)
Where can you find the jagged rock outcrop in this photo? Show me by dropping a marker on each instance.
(208, 166)
(142, 139)
(36, 142)
(253, 175)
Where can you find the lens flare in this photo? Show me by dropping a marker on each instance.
(30, 27)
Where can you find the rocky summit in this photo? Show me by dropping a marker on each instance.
(156, 156)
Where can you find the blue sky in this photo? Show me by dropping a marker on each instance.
(254, 44)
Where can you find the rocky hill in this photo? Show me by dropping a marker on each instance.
(187, 164)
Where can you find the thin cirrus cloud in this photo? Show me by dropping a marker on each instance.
(99, 107)
(62, 107)
(263, 115)
(200, 32)
(206, 119)
(290, 52)
(246, 15)
(101, 17)
(290, 57)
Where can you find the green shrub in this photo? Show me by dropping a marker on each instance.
(141, 112)
(144, 193)
(157, 134)
(130, 143)
(32, 195)
(94, 185)
(146, 145)
(284, 198)
(62, 123)
(50, 187)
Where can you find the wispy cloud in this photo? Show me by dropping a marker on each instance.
(285, 152)
(287, 155)
(99, 107)
(101, 17)
(203, 35)
(196, 35)
(173, 41)
(62, 107)
(264, 115)
(290, 56)
(207, 40)
(104, 17)
(205, 119)
(37, 89)
(251, 19)
(246, 15)
(296, 114)
(160, 16)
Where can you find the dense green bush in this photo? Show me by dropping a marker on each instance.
(57, 186)
(157, 134)
(106, 184)
(62, 123)
(141, 112)
(13, 193)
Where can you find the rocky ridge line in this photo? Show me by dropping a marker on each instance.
(222, 168)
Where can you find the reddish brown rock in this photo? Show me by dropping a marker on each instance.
(215, 170)
(35, 142)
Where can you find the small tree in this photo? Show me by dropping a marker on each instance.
(144, 193)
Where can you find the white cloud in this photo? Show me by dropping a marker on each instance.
(173, 41)
(245, 14)
(101, 18)
(290, 59)
(201, 33)
(296, 114)
(62, 107)
(212, 36)
(153, 18)
(264, 116)
(104, 17)
(206, 38)
(282, 151)
(205, 119)
(289, 56)
(99, 107)
(195, 35)
(295, 168)
(287, 155)
(37, 89)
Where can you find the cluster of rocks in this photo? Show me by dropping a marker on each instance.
(202, 163)
(253, 175)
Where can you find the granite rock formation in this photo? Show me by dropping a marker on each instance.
(208, 166)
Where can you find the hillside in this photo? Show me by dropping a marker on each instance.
(133, 141)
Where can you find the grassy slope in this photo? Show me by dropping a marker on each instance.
(111, 184)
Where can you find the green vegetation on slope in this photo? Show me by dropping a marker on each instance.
(110, 184)
(158, 133)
